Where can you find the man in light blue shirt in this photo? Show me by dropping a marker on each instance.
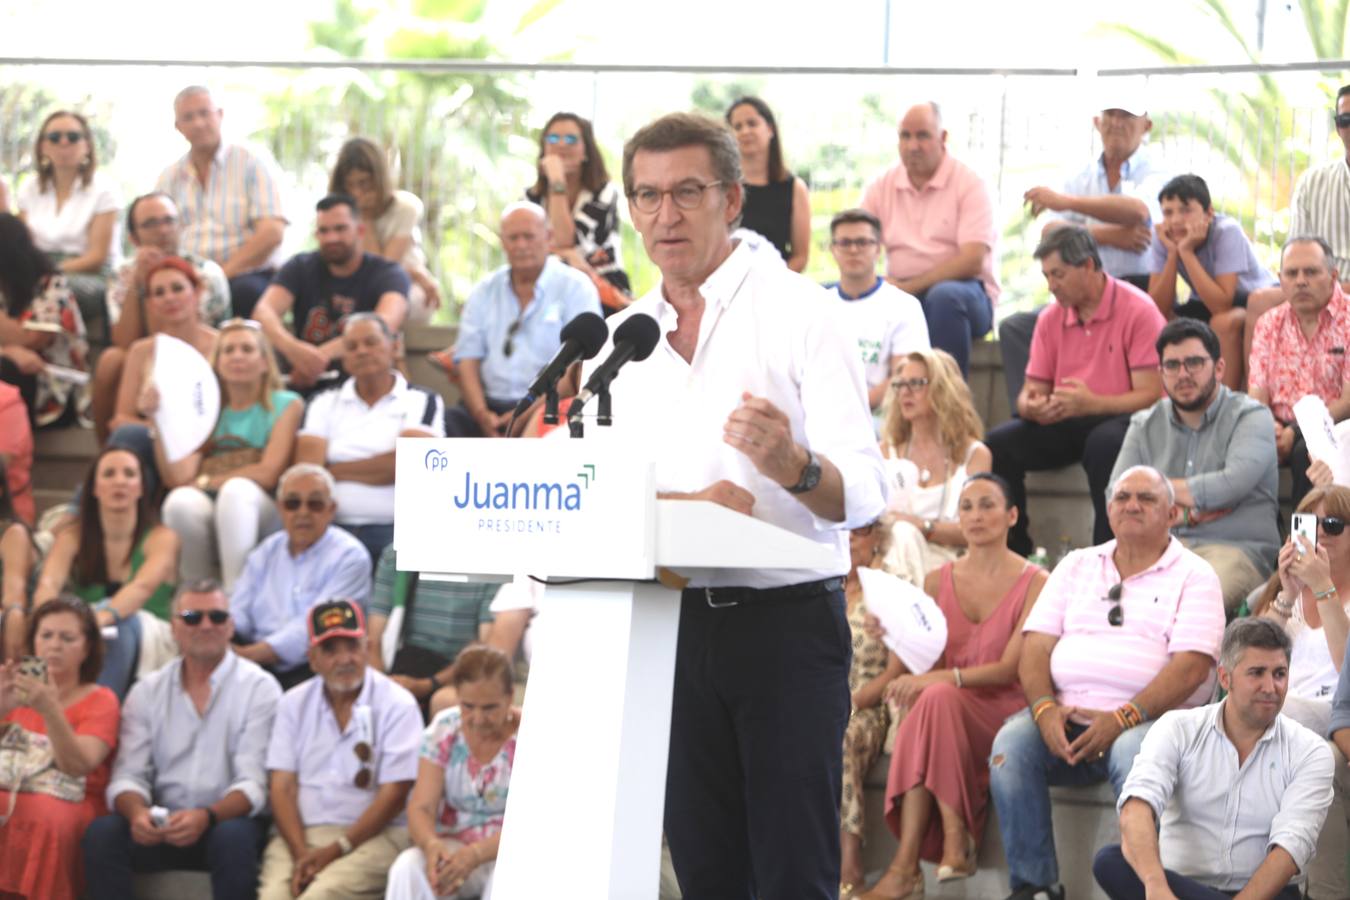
(511, 324)
(309, 560)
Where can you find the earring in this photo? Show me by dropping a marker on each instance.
(84, 163)
(45, 164)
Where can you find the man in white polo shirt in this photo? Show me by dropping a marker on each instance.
(351, 429)
(1121, 633)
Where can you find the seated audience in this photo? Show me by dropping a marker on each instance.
(74, 722)
(1122, 633)
(229, 199)
(155, 232)
(510, 324)
(777, 204)
(18, 571)
(352, 430)
(1226, 799)
(1299, 348)
(1082, 381)
(873, 667)
(1303, 598)
(937, 223)
(16, 454)
(930, 440)
(323, 288)
(458, 802)
(309, 560)
(391, 218)
(193, 742)
(583, 206)
(220, 498)
(440, 618)
(115, 557)
(1210, 253)
(889, 322)
(952, 713)
(342, 758)
(1217, 449)
(40, 325)
(1115, 198)
(71, 211)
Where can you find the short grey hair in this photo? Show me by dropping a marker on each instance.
(1328, 256)
(300, 470)
(357, 318)
(678, 130)
(527, 206)
(195, 586)
(1252, 631)
(1157, 476)
(1074, 244)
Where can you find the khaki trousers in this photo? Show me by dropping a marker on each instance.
(359, 874)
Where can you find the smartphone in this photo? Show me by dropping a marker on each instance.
(159, 816)
(33, 667)
(1304, 525)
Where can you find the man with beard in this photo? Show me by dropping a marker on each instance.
(1225, 799)
(1217, 448)
(343, 757)
(323, 287)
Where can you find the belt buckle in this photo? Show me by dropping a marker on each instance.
(708, 595)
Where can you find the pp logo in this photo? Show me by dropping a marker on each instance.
(436, 461)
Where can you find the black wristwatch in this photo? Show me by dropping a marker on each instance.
(211, 818)
(810, 476)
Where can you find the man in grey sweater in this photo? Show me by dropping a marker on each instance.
(1217, 447)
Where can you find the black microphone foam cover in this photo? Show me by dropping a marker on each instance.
(642, 331)
(588, 330)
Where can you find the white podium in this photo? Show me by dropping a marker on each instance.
(587, 792)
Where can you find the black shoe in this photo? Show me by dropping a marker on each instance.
(1029, 892)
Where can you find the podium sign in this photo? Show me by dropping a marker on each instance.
(490, 506)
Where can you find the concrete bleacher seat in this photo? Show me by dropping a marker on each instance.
(172, 885)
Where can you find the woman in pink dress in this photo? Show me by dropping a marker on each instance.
(952, 712)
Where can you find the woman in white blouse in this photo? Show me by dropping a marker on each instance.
(71, 211)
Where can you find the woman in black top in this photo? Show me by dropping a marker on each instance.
(777, 204)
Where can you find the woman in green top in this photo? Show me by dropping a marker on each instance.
(115, 557)
(221, 499)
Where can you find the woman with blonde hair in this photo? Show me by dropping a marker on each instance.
(930, 438)
(220, 500)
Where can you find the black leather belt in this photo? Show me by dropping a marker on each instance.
(723, 597)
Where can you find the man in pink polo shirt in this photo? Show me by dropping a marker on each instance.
(1093, 362)
(1121, 633)
(937, 223)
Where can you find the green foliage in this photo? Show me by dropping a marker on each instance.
(713, 97)
(23, 106)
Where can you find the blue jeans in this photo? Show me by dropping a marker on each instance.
(247, 289)
(229, 852)
(375, 538)
(1118, 879)
(120, 656)
(1021, 770)
(957, 312)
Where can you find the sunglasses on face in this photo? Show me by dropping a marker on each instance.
(1116, 617)
(909, 384)
(570, 140)
(313, 504)
(193, 617)
(1343, 120)
(1332, 525)
(1193, 364)
(71, 137)
(363, 776)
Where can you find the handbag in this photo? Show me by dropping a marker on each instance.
(26, 764)
(227, 453)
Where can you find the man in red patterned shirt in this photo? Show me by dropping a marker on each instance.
(1300, 348)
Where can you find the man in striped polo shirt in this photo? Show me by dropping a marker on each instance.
(1121, 633)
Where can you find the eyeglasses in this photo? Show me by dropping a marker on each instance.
(157, 222)
(688, 195)
(1332, 525)
(1116, 617)
(1343, 120)
(313, 504)
(362, 751)
(193, 617)
(570, 140)
(236, 322)
(909, 384)
(509, 346)
(1193, 364)
(71, 137)
(854, 243)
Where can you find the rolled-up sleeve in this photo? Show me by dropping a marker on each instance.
(838, 421)
(134, 768)
(1153, 775)
(1304, 805)
(1249, 458)
(250, 754)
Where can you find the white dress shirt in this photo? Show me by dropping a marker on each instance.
(771, 332)
(178, 759)
(1219, 819)
(66, 230)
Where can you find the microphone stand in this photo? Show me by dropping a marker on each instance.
(604, 417)
(551, 406)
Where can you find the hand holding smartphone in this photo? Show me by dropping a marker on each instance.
(34, 667)
(1303, 525)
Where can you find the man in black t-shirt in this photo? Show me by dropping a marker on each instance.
(323, 287)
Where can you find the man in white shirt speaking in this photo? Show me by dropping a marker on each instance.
(1241, 790)
(753, 398)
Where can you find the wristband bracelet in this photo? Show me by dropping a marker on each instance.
(956, 673)
(1041, 708)
(1322, 595)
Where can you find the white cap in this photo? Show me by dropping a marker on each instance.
(1127, 93)
(915, 627)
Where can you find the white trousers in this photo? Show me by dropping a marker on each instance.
(226, 529)
(408, 878)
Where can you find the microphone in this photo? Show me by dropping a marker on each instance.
(582, 338)
(635, 339)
